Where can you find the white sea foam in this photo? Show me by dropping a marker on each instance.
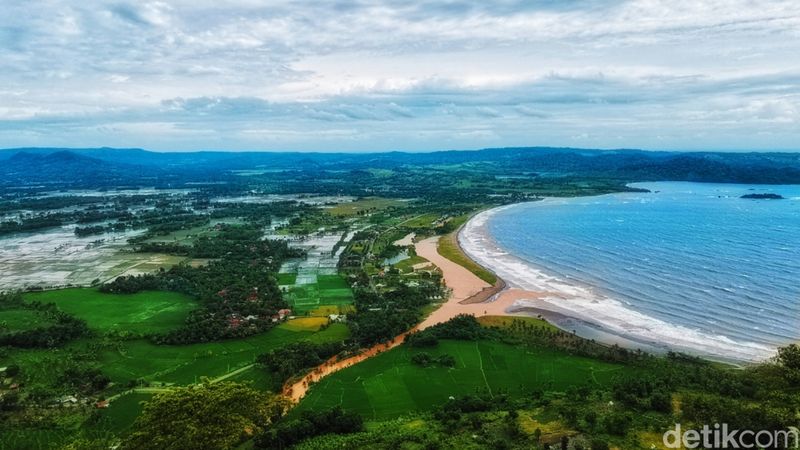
(581, 302)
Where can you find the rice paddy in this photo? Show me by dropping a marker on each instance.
(390, 385)
(143, 312)
(362, 206)
(187, 364)
(21, 320)
(311, 285)
(56, 258)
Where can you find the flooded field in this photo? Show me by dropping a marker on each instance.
(56, 257)
(315, 200)
(311, 283)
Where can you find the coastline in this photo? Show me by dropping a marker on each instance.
(531, 291)
(524, 289)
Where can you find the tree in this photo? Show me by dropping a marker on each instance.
(310, 423)
(212, 416)
(537, 435)
(789, 359)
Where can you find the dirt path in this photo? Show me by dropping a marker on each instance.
(297, 390)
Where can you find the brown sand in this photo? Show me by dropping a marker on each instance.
(470, 294)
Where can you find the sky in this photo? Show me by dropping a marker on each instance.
(402, 75)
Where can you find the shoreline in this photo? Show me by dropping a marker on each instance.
(523, 289)
(574, 307)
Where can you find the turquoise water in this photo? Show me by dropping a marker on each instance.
(690, 266)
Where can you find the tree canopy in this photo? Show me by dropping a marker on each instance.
(217, 416)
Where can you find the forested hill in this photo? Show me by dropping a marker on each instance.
(106, 166)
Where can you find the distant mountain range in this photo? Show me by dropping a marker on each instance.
(94, 167)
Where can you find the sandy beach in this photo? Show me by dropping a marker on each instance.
(570, 305)
(465, 285)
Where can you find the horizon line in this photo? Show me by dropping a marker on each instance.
(356, 152)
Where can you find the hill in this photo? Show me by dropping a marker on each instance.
(106, 166)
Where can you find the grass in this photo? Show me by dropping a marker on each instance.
(143, 312)
(21, 320)
(139, 359)
(390, 385)
(305, 324)
(507, 321)
(122, 412)
(256, 377)
(423, 221)
(329, 295)
(325, 311)
(448, 247)
(406, 265)
(32, 439)
(186, 364)
(332, 282)
(364, 205)
(287, 279)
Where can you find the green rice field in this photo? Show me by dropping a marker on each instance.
(329, 290)
(139, 359)
(143, 312)
(186, 364)
(21, 320)
(390, 385)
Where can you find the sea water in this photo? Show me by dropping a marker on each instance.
(690, 267)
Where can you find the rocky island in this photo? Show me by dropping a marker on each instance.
(763, 196)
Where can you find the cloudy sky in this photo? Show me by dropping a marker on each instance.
(401, 75)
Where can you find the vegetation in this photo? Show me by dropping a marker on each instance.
(238, 291)
(392, 384)
(310, 423)
(55, 330)
(290, 360)
(181, 338)
(587, 403)
(215, 416)
(142, 313)
(449, 248)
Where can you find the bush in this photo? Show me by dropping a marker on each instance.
(422, 359)
(446, 361)
(421, 339)
(310, 424)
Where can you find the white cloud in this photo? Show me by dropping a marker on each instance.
(369, 74)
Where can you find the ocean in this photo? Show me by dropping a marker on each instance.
(690, 267)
